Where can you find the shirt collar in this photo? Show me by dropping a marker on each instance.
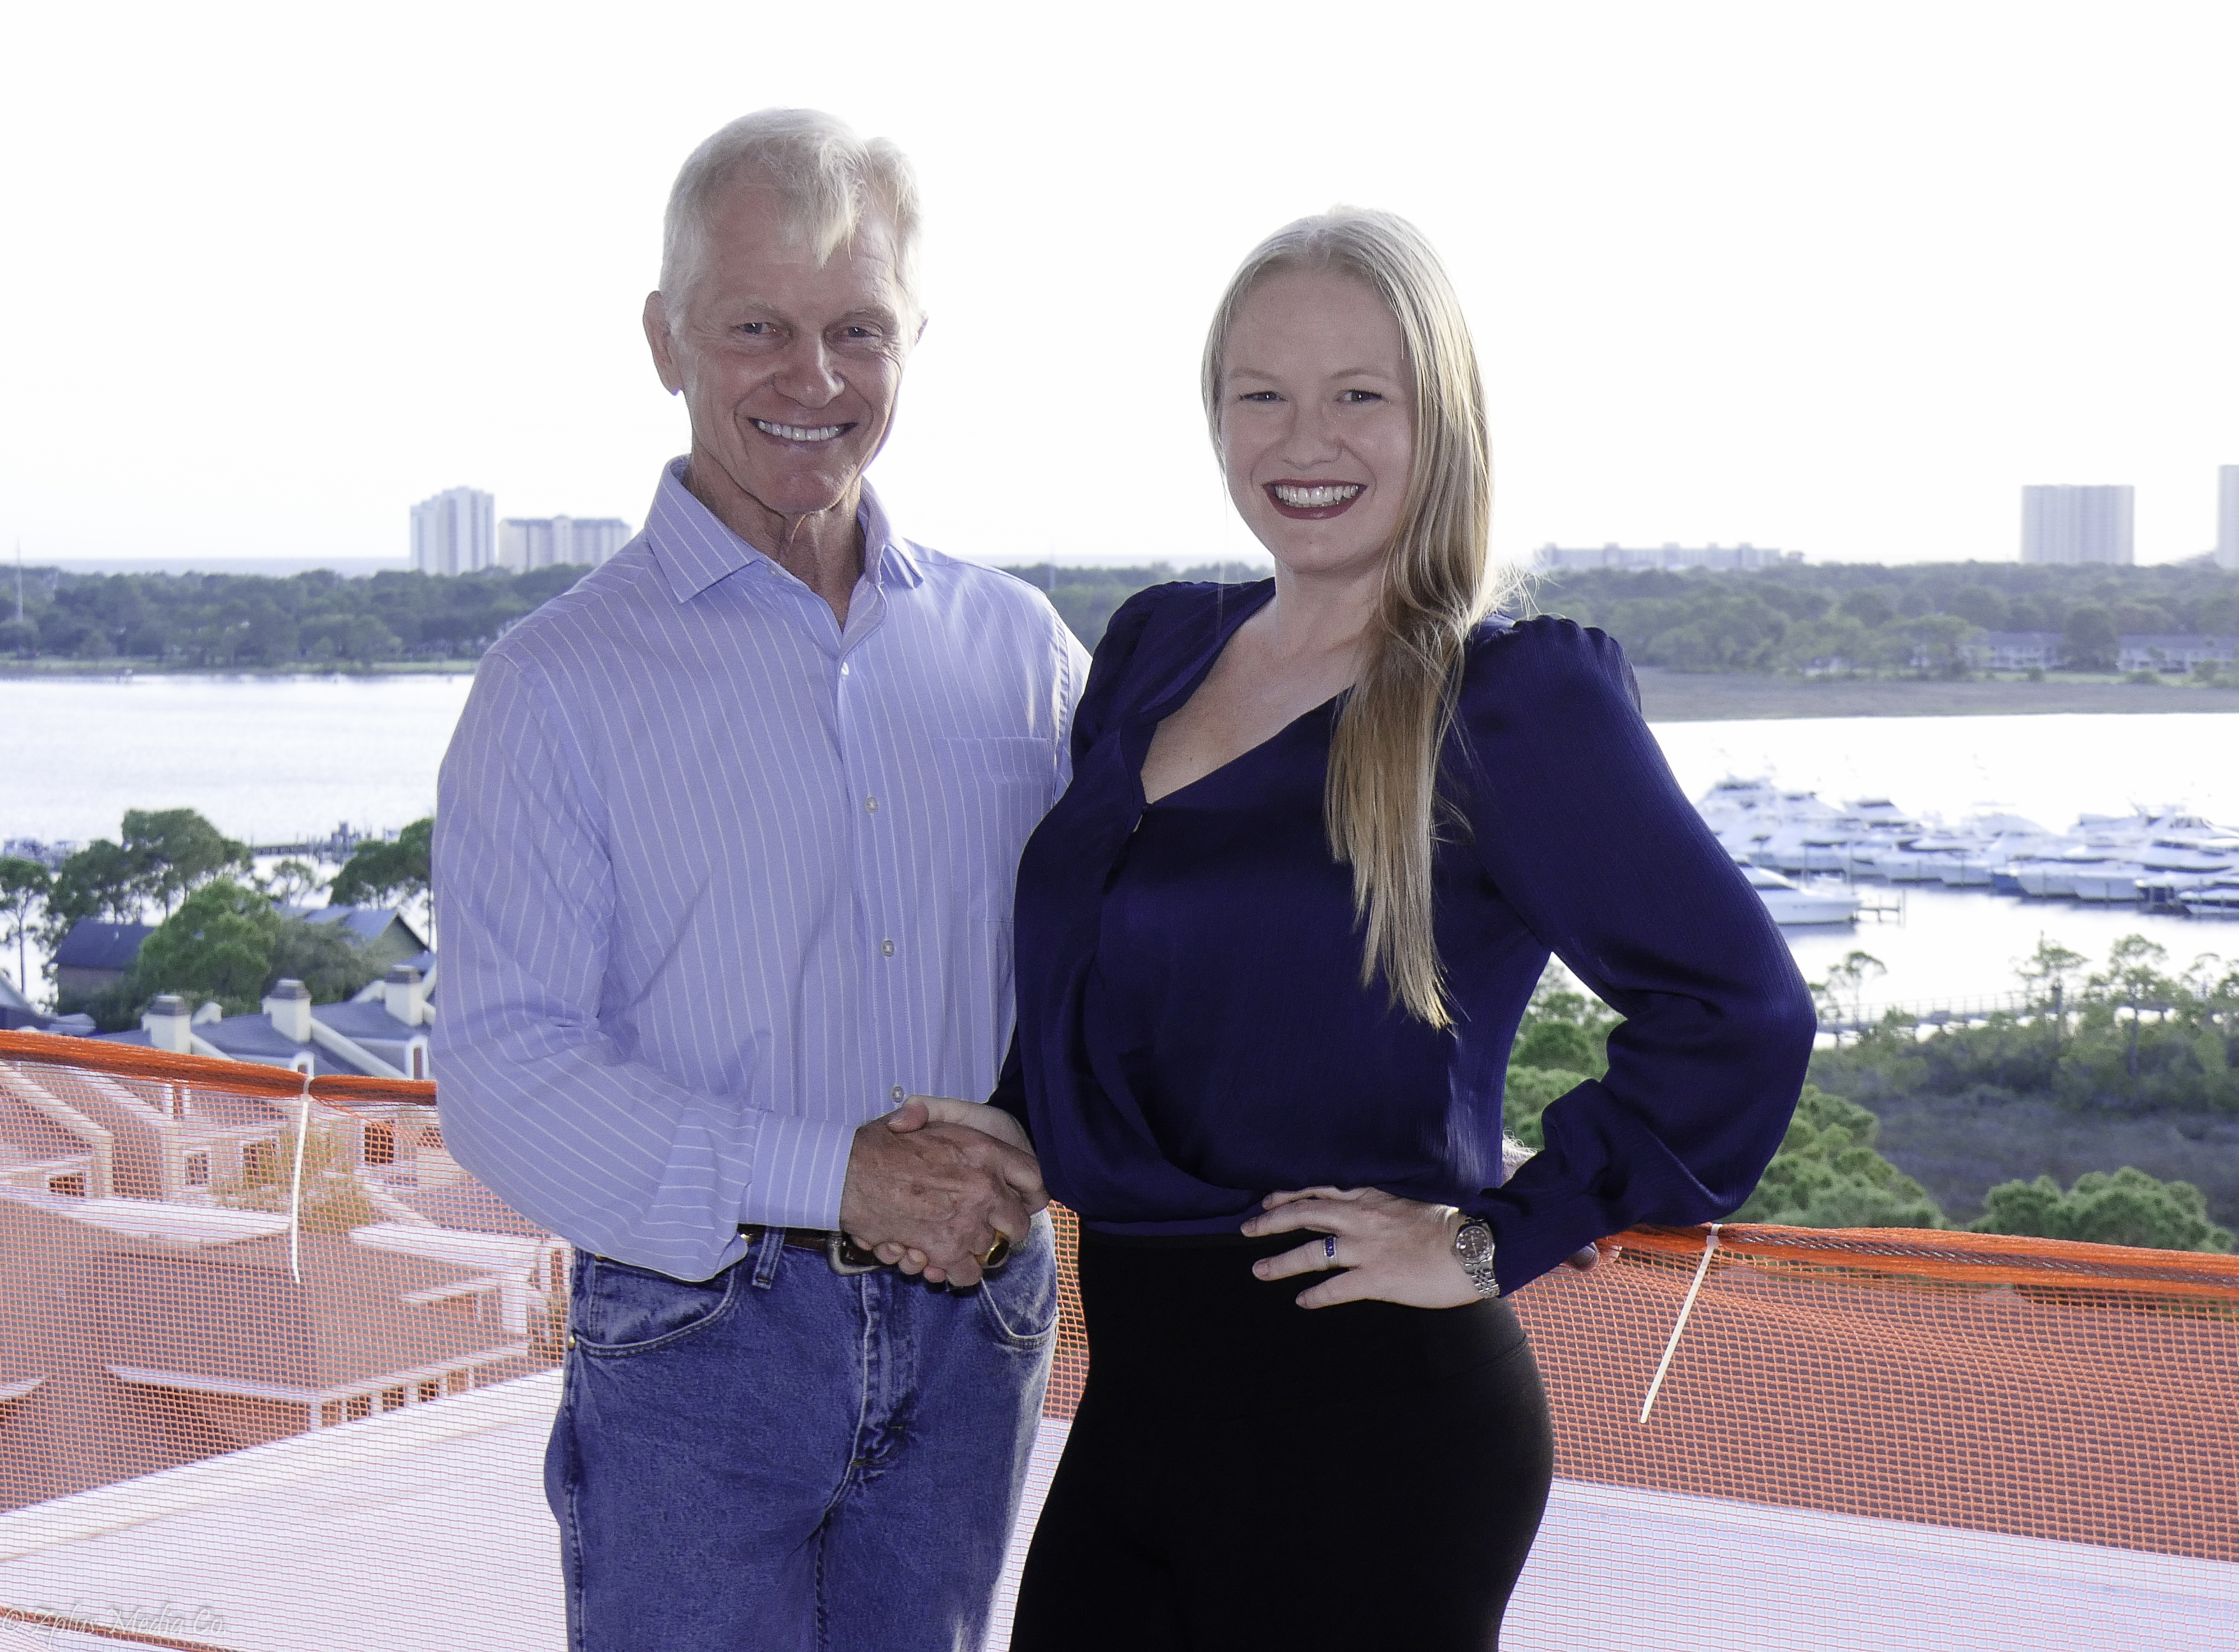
(696, 550)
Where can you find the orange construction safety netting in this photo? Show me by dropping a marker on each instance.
(276, 1373)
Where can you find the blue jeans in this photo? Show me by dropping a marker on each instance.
(786, 1459)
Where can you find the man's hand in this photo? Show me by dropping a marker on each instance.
(933, 1184)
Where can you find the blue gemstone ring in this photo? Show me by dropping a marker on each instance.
(1329, 1246)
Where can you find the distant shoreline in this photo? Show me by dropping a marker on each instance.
(1666, 696)
(33, 670)
(1712, 697)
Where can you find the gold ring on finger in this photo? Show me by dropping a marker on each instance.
(996, 1254)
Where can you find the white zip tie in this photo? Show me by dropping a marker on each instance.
(296, 1191)
(1702, 1268)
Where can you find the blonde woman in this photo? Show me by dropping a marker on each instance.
(1273, 946)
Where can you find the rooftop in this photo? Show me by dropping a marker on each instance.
(91, 945)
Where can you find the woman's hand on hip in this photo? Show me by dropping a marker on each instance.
(1387, 1249)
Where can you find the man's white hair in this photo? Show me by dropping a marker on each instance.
(827, 177)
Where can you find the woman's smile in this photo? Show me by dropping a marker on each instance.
(1313, 500)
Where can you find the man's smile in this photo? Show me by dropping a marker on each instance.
(803, 432)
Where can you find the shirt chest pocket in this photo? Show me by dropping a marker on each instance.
(994, 791)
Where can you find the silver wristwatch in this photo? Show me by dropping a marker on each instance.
(1473, 1249)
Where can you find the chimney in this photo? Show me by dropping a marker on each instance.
(289, 1003)
(404, 995)
(165, 1023)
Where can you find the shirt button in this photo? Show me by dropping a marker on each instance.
(896, 1092)
(870, 804)
(843, 668)
(887, 947)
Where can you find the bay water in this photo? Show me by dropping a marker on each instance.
(279, 759)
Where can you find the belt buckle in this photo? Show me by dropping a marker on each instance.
(846, 1257)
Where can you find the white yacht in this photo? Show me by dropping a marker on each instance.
(1787, 904)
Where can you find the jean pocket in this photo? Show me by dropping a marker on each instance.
(619, 1309)
(1021, 1300)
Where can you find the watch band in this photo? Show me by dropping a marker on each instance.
(1473, 1249)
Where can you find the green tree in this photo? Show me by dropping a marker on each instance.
(1561, 1042)
(217, 945)
(385, 870)
(176, 850)
(1979, 605)
(2045, 975)
(2132, 980)
(1849, 976)
(2124, 1207)
(101, 881)
(23, 888)
(2090, 637)
(1869, 606)
(290, 881)
(325, 958)
(1827, 1173)
(1940, 645)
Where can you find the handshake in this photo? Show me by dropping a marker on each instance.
(934, 1185)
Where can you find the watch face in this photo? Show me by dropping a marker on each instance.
(1473, 1243)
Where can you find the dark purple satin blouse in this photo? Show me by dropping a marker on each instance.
(1192, 1030)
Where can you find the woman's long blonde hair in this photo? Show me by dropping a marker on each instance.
(1382, 804)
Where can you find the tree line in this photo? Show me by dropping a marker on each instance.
(2132, 1036)
(1906, 619)
(227, 621)
(221, 935)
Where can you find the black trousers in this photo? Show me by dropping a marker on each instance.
(1246, 1472)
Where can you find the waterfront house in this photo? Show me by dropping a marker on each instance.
(381, 1034)
(2019, 651)
(383, 931)
(93, 956)
(2146, 651)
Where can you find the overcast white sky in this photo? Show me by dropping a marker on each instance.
(1832, 278)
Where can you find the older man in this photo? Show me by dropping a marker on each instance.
(724, 861)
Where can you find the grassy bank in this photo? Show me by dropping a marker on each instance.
(1700, 697)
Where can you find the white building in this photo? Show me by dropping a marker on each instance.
(2227, 517)
(1729, 557)
(2066, 524)
(452, 532)
(525, 543)
(2019, 650)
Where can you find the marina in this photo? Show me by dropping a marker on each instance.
(2165, 859)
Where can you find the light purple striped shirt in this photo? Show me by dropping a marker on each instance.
(718, 881)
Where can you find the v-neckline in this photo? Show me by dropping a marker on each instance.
(1177, 693)
(1145, 802)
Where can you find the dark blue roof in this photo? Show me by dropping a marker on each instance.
(253, 1037)
(368, 1020)
(90, 946)
(364, 923)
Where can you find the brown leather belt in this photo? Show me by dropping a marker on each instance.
(846, 1257)
(842, 1252)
